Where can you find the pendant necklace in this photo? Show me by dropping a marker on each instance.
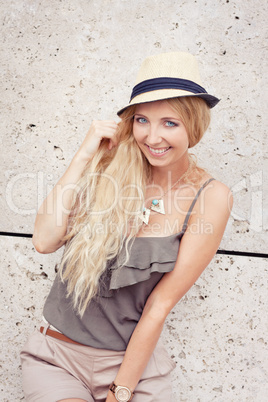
(157, 204)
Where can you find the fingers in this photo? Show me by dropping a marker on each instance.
(105, 129)
(98, 131)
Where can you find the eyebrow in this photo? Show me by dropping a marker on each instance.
(163, 118)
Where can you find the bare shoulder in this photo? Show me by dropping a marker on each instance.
(212, 210)
(217, 189)
(219, 196)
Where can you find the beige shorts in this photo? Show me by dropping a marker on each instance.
(53, 370)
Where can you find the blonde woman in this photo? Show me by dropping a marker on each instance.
(140, 221)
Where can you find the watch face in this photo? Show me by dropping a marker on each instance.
(123, 394)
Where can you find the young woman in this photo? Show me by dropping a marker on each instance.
(140, 221)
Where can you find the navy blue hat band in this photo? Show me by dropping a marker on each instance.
(166, 83)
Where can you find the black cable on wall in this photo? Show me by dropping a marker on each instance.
(225, 252)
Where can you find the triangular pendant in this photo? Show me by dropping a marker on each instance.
(145, 215)
(159, 207)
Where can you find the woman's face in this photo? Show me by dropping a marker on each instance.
(160, 134)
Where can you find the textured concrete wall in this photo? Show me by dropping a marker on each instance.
(64, 63)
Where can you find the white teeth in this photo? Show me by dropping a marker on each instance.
(158, 151)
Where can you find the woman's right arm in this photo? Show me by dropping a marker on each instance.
(52, 217)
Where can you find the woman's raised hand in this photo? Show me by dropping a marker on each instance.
(98, 131)
(52, 218)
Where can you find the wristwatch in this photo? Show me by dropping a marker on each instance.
(122, 394)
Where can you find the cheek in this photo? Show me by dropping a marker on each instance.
(180, 140)
(184, 139)
(138, 133)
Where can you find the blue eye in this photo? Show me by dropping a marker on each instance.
(170, 124)
(141, 120)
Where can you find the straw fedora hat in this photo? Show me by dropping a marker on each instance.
(168, 75)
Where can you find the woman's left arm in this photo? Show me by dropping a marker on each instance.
(197, 248)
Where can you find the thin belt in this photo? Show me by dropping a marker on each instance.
(58, 335)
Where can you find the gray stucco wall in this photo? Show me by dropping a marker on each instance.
(64, 63)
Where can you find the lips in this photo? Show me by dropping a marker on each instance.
(158, 151)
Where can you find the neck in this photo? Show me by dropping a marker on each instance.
(166, 177)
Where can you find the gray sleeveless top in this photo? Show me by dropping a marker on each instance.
(112, 316)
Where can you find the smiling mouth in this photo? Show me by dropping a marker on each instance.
(158, 151)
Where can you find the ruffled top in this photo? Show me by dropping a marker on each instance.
(111, 318)
(147, 255)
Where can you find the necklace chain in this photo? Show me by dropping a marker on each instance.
(158, 204)
(179, 179)
(169, 189)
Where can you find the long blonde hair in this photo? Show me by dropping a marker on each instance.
(105, 212)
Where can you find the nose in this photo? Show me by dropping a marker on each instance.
(153, 136)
